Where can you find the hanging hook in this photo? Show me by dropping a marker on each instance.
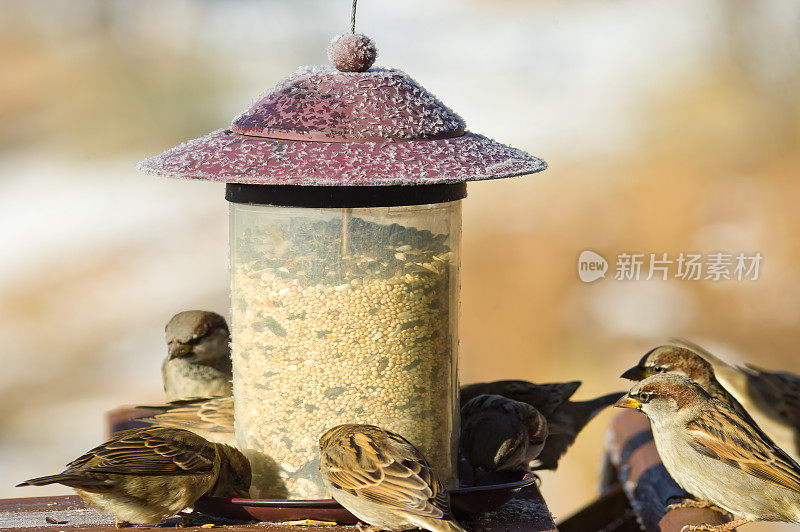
(353, 18)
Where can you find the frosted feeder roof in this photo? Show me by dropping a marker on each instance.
(322, 126)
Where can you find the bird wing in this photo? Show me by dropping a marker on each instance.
(176, 403)
(719, 432)
(779, 390)
(572, 416)
(544, 397)
(150, 451)
(212, 415)
(390, 472)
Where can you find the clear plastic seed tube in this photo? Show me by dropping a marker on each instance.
(342, 316)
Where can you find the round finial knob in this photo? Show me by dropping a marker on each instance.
(352, 52)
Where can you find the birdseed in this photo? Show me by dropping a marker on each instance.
(323, 337)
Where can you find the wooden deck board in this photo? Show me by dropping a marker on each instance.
(527, 513)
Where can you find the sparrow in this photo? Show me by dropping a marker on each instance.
(565, 418)
(199, 359)
(211, 418)
(716, 454)
(772, 398)
(500, 434)
(142, 476)
(384, 480)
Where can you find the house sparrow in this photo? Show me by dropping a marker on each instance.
(500, 434)
(565, 418)
(145, 475)
(716, 454)
(771, 398)
(199, 359)
(383, 480)
(210, 418)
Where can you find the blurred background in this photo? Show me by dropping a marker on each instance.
(669, 127)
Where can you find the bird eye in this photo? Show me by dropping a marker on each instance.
(645, 396)
(659, 369)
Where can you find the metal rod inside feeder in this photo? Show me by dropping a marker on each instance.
(346, 214)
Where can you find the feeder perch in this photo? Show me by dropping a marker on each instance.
(345, 188)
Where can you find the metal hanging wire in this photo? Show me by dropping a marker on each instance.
(347, 213)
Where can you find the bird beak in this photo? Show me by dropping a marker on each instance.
(179, 350)
(636, 373)
(628, 402)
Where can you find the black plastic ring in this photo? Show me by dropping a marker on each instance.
(344, 196)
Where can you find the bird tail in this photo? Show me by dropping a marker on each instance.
(72, 480)
(587, 410)
(44, 481)
(446, 526)
(446, 523)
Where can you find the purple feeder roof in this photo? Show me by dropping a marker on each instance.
(322, 126)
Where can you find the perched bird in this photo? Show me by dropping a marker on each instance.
(210, 418)
(383, 480)
(500, 434)
(565, 418)
(145, 475)
(771, 398)
(199, 359)
(716, 454)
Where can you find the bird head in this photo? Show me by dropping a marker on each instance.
(671, 359)
(198, 336)
(490, 443)
(663, 394)
(234, 474)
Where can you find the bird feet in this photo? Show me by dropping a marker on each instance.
(727, 527)
(187, 519)
(361, 527)
(119, 523)
(695, 503)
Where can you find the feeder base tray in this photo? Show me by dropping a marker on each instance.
(465, 502)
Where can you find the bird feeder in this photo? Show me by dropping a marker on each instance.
(345, 186)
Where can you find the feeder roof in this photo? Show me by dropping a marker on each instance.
(333, 126)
